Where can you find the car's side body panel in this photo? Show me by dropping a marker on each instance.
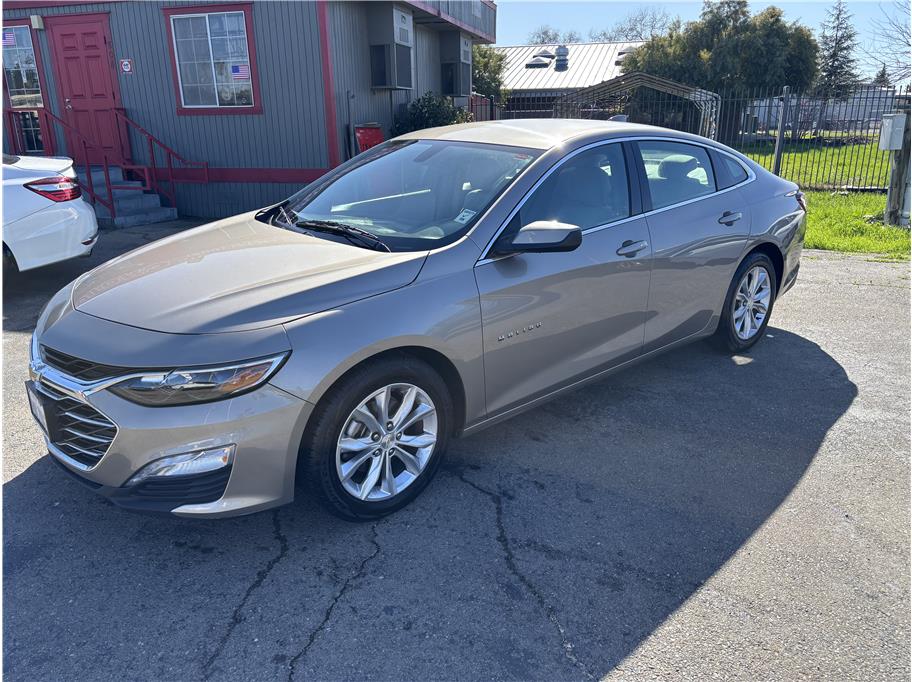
(694, 257)
(549, 318)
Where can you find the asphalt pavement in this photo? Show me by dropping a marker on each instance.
(697, 516)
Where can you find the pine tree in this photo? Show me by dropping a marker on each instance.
(882, 79)
(836, 60)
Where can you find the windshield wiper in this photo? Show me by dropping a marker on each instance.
(348, 231)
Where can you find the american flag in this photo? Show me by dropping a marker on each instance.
(9, 39)
(240, 72)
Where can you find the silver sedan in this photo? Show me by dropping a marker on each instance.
(431, 286)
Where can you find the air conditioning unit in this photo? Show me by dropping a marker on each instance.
(392, 37)
(455, 64)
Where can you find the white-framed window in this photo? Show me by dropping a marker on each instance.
(212, 58)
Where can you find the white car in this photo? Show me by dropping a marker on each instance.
(45, 219)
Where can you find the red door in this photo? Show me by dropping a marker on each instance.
(87, 84)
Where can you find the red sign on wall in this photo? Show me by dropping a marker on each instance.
(368, 135)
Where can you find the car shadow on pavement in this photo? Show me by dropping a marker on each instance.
(548, 547)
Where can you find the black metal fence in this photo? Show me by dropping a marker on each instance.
(819, 140)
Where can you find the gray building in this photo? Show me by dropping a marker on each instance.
(216, 108)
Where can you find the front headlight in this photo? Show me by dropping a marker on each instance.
(198, 384)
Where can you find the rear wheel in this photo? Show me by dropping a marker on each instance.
(748, 304)
(377, 438)
(9, 262)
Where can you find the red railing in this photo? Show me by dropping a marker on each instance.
(154, 176)
(16, 135)
(167, 171)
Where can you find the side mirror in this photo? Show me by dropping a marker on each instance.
(542, 236)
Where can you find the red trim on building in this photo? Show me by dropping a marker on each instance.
(47, 132)
(290, 175)
(247, 9)
(329, 90)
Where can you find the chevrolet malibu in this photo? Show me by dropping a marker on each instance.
(429, 287)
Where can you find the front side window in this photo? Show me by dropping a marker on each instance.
(20, 68)
(587, 190)
(414, 195)
(676, 171)
(213, 59)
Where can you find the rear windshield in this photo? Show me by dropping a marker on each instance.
(415, 194)
(9, 159)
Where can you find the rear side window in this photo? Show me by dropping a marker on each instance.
(676, 171)
(587, 190)
(729, 171)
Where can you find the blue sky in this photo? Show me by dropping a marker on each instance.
(517, 18)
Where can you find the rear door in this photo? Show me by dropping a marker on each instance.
(698, 235)
(551, 318)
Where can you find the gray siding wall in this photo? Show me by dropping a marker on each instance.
(290, 133)
(426, 60)
(350, 50)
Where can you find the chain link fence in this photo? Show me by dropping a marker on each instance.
(819, 140)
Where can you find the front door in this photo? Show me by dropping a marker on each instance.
(551, 318)
(87, 85)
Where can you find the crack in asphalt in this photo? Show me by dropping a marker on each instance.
(510, 559)
(341, 592)
(261, 576)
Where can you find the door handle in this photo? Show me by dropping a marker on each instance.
(631, 248)
(729, 218)
(67, 104)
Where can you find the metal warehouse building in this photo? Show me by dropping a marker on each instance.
(220, 108)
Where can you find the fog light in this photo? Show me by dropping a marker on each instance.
(186, 465)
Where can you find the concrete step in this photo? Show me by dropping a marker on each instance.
(128, 203)
(154, 215)
(98, 178)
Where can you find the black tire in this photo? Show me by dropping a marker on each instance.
(10, 266)
(317, 462)
(726, 337)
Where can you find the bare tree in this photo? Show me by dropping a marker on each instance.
(892, 41)
(548, 35)
(642, 24)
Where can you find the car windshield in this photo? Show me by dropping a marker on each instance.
(413, 194)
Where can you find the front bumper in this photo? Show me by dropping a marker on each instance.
(265, 425)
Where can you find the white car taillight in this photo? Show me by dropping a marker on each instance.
(57, 188)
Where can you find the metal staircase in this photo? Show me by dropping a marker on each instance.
(132, 193)
(133, 204)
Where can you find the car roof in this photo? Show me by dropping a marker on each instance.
(536, 133)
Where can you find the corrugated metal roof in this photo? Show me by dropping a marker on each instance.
(587, 64)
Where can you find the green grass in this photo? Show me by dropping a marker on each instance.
(851, 165)
(836, 222)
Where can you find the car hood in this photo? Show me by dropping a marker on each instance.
(237, 274)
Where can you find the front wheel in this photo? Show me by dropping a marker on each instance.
(748, 304)
(377, 438)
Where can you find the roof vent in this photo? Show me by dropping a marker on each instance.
(538, 63)
(545, 52)
(561, 62)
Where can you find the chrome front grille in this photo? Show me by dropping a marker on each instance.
(75, 428)
(84, 370)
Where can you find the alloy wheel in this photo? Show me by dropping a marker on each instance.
(751, 302)
(386, 442)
